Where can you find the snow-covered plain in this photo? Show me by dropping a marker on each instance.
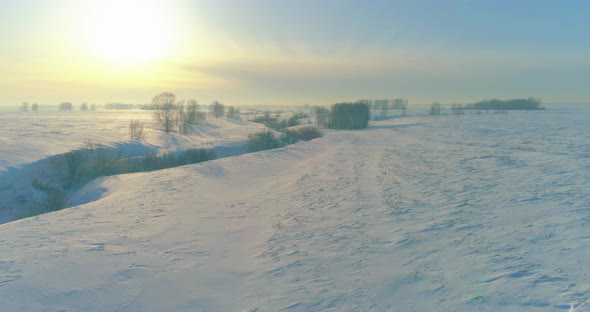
(426, 213)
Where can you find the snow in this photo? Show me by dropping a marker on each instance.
(30, 139)
(26, 137)
(424, 213)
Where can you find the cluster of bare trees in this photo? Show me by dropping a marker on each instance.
(64, 106)
(25, 107)
(178, 115)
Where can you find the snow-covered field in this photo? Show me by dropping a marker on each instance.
(426, 213)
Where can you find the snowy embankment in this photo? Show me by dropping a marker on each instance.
(33, 147)
(447, 213)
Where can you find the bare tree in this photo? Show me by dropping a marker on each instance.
(192, 108)
(400, 103)
(233, 113)
(165, 110)
(24, 107)
(136, 130)
(434, 109)
(182, 117)
(218, 109)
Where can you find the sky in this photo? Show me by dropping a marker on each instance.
(294, 52)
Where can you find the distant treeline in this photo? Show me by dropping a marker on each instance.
(513, 104)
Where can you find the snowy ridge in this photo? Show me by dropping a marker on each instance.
(447, 213)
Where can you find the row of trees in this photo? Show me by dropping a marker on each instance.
(268, 140)
(487, 105)
(64, 106)
(25, 107)
(386, 104)
(513, 104)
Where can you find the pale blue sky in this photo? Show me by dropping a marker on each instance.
(298, 52)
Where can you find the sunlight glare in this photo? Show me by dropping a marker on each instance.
(129, 32)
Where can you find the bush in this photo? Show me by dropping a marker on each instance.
(195, 155)
(262, 141)
(267, 140)
(75, 168)
(302, 134)
(136, 130)
(271, 122)
(294, 120)
(73, 165)
(233, 113)
(169, 160)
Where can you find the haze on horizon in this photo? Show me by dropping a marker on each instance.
(292, 52)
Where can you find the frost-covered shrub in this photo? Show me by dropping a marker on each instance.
(136, 130)
(302, 134)
(169, 160)
(81, 166)
(195, 155)
(262, 141)
(271, 122)
(73, 169)
(233, 113)
(73, 162)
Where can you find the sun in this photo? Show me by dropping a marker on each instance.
(129, 32)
